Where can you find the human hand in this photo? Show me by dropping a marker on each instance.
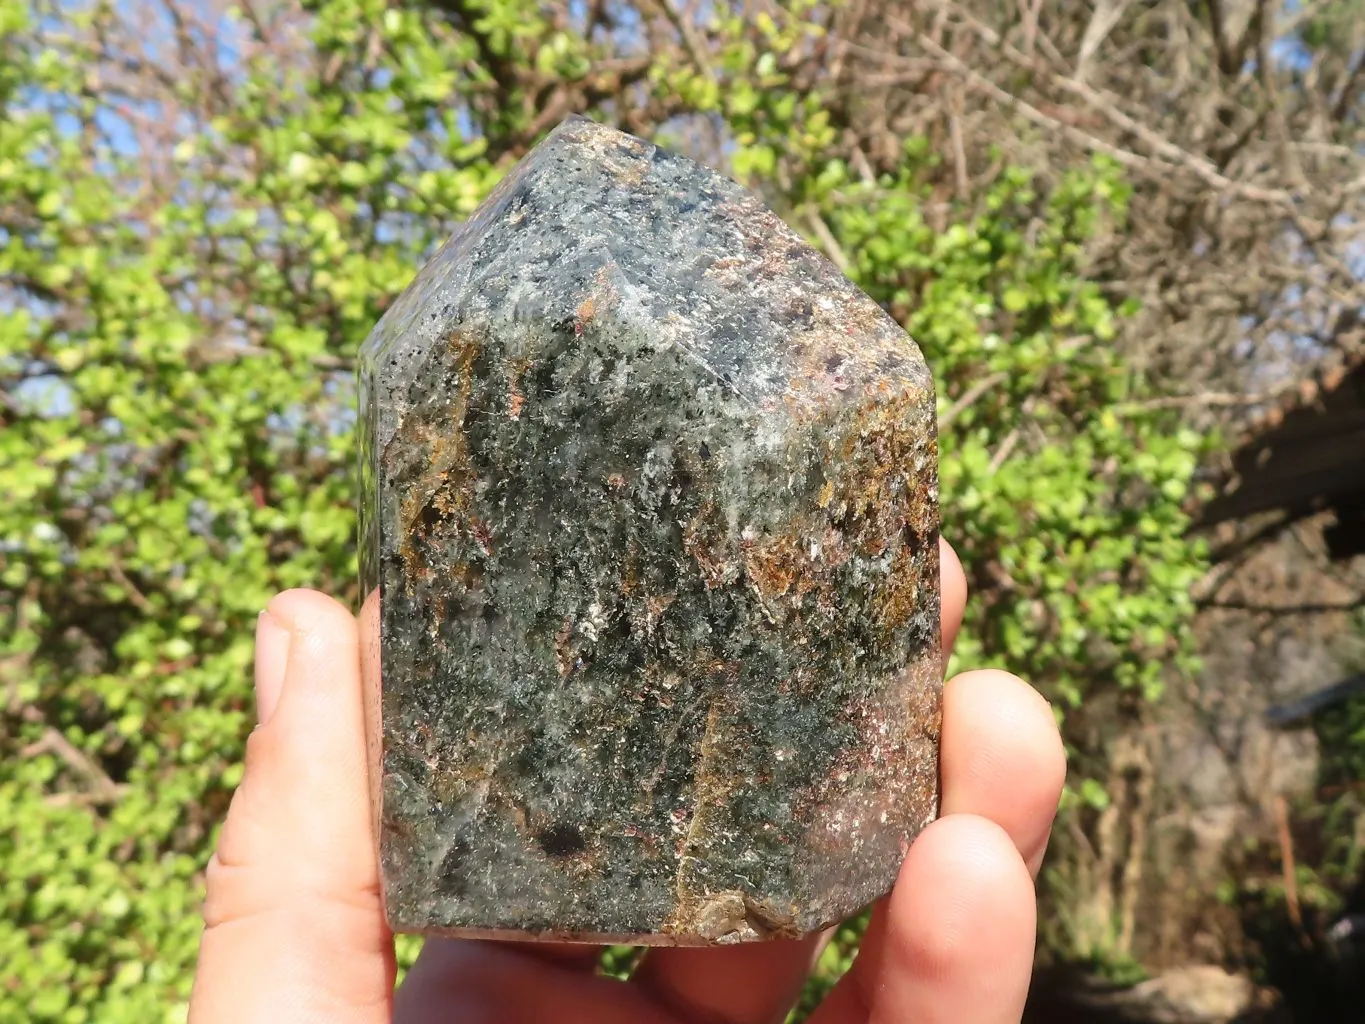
(295, 931)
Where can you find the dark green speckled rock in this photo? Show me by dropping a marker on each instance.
(649, 538)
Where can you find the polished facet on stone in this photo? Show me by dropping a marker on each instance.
(649, 541)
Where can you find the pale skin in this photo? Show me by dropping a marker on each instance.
(295, 930)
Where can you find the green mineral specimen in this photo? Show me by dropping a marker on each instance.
(649, 535)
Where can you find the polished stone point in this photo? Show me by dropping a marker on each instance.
(649, 543)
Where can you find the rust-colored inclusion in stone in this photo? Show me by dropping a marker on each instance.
(649, 541)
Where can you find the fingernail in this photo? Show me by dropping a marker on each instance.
(272, 657)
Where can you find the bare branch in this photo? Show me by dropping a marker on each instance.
(696, 49)
(968, 398)
(1107, 15)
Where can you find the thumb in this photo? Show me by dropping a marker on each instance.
(294, 927)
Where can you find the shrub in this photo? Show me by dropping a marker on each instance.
(193, 242)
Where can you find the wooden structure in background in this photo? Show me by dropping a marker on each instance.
(1305, 456)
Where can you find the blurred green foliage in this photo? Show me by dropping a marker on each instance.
(176, 407)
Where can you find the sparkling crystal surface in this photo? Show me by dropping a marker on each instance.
(649, 541)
